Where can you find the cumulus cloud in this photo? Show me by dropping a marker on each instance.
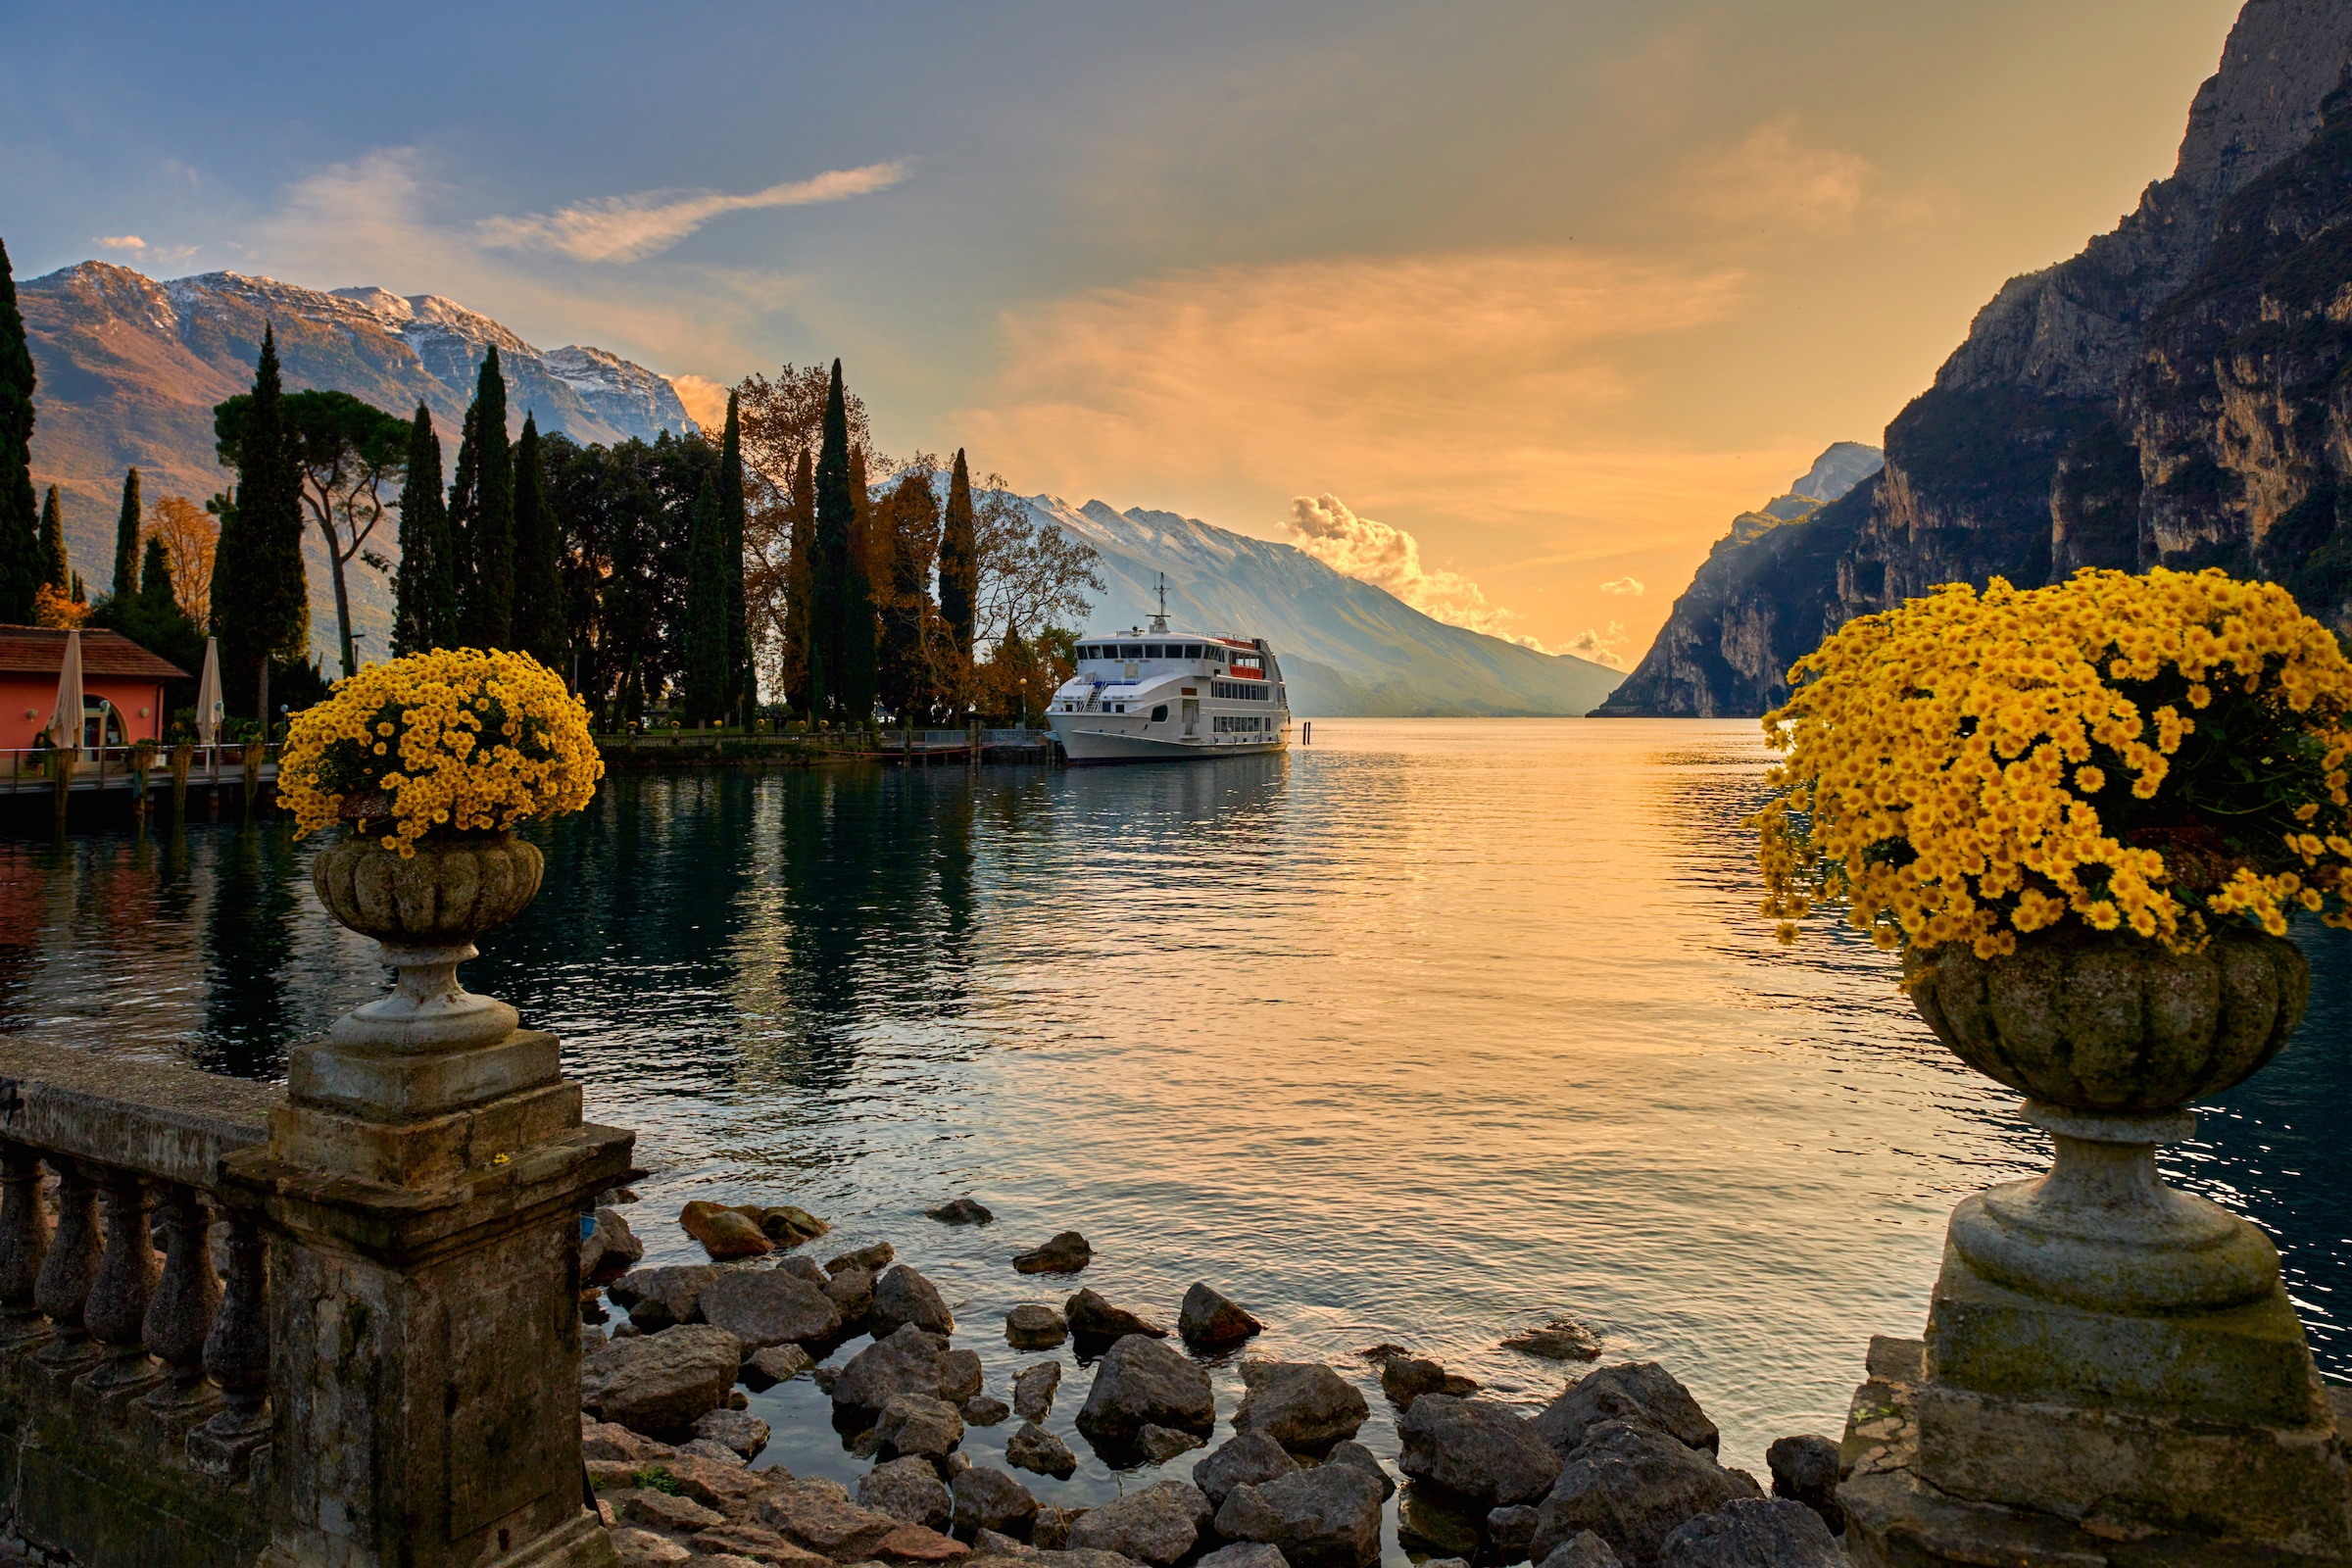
(1602, 647)
(1388, 558)
(1623, 585)
(119, 242)
(705, 400)
(628, 228)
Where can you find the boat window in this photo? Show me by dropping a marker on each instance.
(1130, 651)
(1152, 651)
(1159, 713)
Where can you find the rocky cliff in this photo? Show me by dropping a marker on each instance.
(2166, 396)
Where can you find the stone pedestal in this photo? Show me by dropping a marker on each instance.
(422, 1189)
(2108, 1363)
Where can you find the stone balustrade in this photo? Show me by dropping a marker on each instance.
(135, 1332)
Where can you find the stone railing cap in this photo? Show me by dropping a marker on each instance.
(172, 1123)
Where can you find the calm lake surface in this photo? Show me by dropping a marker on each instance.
(1425, 1032)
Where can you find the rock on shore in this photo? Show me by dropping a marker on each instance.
(1034, 1325)
(611, 1251)
(1246, 1458)
(1301, 1404)
(1065, 1253)
(1090, 1316)
(1754, 1532)
(1327, 1517)
(901, 1297)
(961, 1212)
(658, 1383)
(1033, 1389)
(1475, 1449)
(725, 1233)
(657, 1298)
(1140, 1382)
(765, 1306)
(1632, 1391)
(1213, 1320)
(1156, 1525)
(1633, 1484)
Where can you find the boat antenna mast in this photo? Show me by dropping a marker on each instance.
(1160, 622)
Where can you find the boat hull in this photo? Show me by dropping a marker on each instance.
(1085, 745)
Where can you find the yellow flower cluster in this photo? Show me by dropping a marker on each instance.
(2129, 752)
(447, 742)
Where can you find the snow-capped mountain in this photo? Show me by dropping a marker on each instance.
(129, 369)
(1347, 647)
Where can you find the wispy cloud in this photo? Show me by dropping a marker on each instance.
(628, 228)
(1602, 647)
(1623, 585)
(119, 242)
(1388, 558)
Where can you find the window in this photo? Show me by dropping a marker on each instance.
(1131, 650)
(1159, 713)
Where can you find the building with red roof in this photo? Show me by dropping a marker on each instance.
(114, 668)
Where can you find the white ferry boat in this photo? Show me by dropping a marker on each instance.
(1157, 695)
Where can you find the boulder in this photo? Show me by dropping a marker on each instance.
(633, 1547)
(660, 1382)
(1050, 1529)
(982, 1411)
(1438, 1522)
(1475, 1448)
(803, 1267)
(908, 1361)
(1159, 1445)
(713, 1449)
(1633, 1484)
(1364, 1459)
(1632, 1391)
(663, 1510)
(873, 1260)
(988, 1498)
(819, 1516)
(1035, 1449)
(914, 1543)
(960, 1375)
(1327, 1517)
(852, 1291)
(657, 1298)
(960, 1212)
(903, 1297)
(775, 1363)
(907, 1489)
(1563, 1339)
(755, 1543)
(726, 1485)
(611, 1251)
(1301, 1404)
(1065, 1253)
(769, 1306)
(786, 1225)
(1248, 1458)
(916, 1422)
(1583, 1549)
(1140, 1382)
(1214, 1321)
(1805, 1468)
(723, 1232)
(1250, 1554)
(988, 1543)
(611, 1440)
(1754, 1533)
(1158, 1524)
(1405, 1378)
(1033, 1389)
(1031, 1326)
(1090, 1316)
(1510, 1531)
(736, 1432)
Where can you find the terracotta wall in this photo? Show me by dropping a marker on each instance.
(137, 703)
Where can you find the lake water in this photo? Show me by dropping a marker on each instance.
(1425, 1032)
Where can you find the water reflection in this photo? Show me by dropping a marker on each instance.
(1419, 1034)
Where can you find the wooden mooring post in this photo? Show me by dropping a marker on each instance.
(181, 755)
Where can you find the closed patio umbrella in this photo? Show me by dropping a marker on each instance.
(208, 695)
(65, 724)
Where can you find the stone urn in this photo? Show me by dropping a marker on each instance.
(426, 909)
(2101, 1347)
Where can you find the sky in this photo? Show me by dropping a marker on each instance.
(1507, 306)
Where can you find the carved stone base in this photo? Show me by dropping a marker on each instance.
(427, 1153)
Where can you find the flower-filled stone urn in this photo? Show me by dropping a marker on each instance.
(2085, 814)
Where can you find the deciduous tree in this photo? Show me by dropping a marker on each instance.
(189, 536)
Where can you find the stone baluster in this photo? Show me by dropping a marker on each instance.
(237, 1352)
(71, 1266)
(23, 1244)
(179, 1316)
(116, 1313)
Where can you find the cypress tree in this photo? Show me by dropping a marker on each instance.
(424, 607)
(538, 626)
(55, 571)
(81, 594)
(19, 525)
(829, 554)
(742, 683)
(461, 512)
(960, 563)
(261, 604)
(155, 600)
(126, 540)
(798, 578)
(489, 593)
(707, 642)
(859, 681)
